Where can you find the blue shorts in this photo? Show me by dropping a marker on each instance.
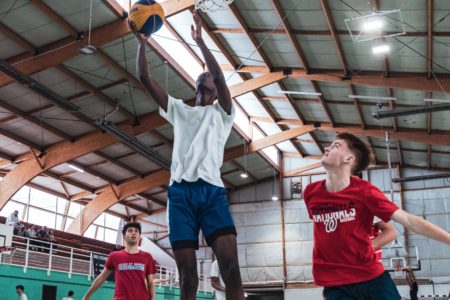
(381, 287)
(195, 205)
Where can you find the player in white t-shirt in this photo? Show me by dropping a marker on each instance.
(197, 197)
(217, 282)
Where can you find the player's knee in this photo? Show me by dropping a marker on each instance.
(230, 271)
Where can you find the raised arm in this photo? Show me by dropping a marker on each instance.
(97, 283)
(421, 226)
(387, 235)
(223, 93)
(150, 85)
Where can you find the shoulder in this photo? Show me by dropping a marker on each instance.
(313, 186)
(147, 255)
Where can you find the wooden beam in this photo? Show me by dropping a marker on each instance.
(172, 62)
(255, 83)
(102, 97)
(58, 52)
(106, 199)
(403, 80)
(293, 39)
(297, 171)
(334, 36)
(235, 11)
(66, 26)
(429, 38)
(115, 7)
(16, 38)
(319, 32)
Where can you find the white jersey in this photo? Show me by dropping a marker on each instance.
(23, 297)
(200, 134)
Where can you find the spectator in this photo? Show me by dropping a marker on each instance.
(412, 282)
(42, 235)
(13, 220)
(51, 238)
(20, 291)
(217, 282)
(69, 296)
(22, 232)
(32, 234)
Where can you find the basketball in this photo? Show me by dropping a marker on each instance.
(147, 16)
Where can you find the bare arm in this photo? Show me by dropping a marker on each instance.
(421, 226)
(150, 85)
(223, 93)
(387, 235)
(151, 287)
(215, 283)
(97, 283)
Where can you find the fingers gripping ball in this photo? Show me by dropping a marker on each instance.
(147, 16)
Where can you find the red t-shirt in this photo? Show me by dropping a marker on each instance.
(343, 220)
(130, 272)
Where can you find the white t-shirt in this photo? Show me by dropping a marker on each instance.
(23, 297)
(12, 220)
(67, 298)
(216, 273)
(200, 134)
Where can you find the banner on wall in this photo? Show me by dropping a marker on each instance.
(98, 264)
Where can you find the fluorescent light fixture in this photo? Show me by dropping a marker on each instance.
(76, 168)
(274, 198)
(410, 111)
(133, 143)
(436, 100)
(372, 97)
(372, 25)
(300, 93)
(244, 175)
(37, 87)
(381, 49)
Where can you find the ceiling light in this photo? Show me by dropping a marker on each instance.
(88, 50)
(300, 93)
(436, 100)
(244, 175)
(372, 97)
(274, 198)
(76, 168)
(410, 111)
(382, 49)
(372, 25)
(133, 143)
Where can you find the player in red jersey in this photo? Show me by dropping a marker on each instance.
(133, 269)
(343, 208)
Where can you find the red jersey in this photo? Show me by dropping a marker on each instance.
(130, 272)
(343, 220)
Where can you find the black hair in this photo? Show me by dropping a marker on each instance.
(131, 224)
(20, 287)
(70, 293)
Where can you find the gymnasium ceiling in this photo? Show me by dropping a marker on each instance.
(271, 45)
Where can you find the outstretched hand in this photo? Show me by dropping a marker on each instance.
(140, 37)
(197, 31)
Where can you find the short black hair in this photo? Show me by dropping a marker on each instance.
(20, 287)
(131, 224)
(359, 149)
(70, 293)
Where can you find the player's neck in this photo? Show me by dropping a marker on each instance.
(337, 180)
(132, 249)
